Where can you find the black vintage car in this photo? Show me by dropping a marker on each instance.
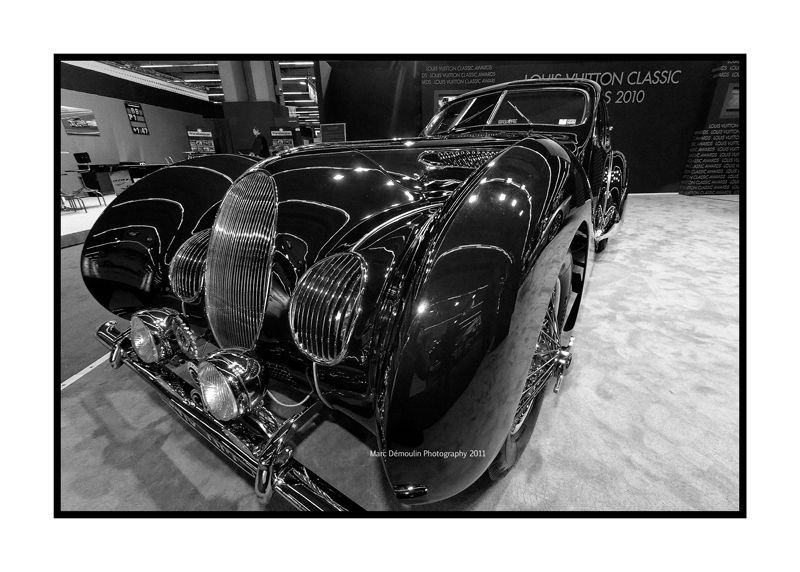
(421, 287)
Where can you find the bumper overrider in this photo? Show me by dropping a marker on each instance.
(259, 442)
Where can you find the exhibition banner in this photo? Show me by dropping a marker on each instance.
(712, 167)
(653, 105)
(79, 121)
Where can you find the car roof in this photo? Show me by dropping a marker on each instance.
(577, 83)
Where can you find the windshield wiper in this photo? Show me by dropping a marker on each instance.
(470, 118)
(519, 112)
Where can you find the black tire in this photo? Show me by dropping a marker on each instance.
(518, 437)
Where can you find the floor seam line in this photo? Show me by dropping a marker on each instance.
(84, 371)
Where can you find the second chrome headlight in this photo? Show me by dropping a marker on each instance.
(151, 334)
(231, 382)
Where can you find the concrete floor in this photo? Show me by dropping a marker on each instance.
(647, 419)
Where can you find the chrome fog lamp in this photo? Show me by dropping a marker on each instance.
(151, 334)
(231, 383)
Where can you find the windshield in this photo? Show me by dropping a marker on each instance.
(467, 113)
(565, 107)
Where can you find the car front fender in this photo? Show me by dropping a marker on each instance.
(470, 320)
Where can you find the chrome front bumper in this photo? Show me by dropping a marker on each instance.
(259, 444)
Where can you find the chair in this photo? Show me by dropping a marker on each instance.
(85, 191)
(84, 161)
(74, 202)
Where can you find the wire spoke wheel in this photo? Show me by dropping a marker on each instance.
(544, 361)
(548, 361)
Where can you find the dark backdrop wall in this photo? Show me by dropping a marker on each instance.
(242, 116)
(376, 99)
(654, 105)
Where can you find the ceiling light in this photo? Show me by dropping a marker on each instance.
(303, 64)
(178, 65)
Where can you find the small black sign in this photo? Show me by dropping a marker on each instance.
(333, 132)
(136, 118)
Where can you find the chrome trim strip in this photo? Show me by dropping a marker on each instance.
(361, 243)
(302, 488)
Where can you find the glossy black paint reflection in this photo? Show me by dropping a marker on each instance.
(455, 369)
(126, 255)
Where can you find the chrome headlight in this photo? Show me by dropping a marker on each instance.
(151, 336)
(231, 383)
(325, 305)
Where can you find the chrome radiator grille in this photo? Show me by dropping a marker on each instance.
(239, 263)
(188, 266)
(325, 305)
